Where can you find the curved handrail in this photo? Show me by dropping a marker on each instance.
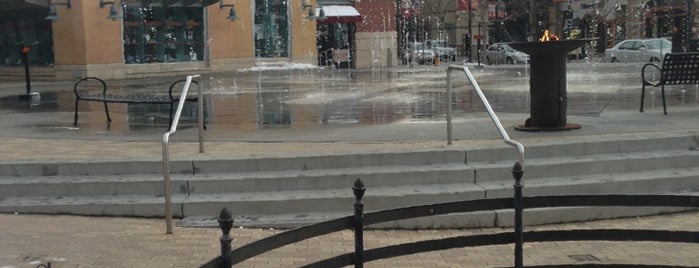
(491, 113)
(166, 145)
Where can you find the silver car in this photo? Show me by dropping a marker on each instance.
(502, 53)
(639, 50)
(442, 49)
(419, 53)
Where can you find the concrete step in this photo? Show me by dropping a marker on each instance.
(291, 189)
(236, 182)
(341, 178)
(216, 164)
(587, 164)
(671, 181)
(288, 206)
(100, 205)
(585, 146)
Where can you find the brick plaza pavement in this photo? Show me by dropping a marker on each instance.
(77, 241)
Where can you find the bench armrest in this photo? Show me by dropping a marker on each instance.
(77, 83)
(643, 74)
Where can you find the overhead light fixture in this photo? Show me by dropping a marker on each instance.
(157, 4)
(53, 15)
(179, 3)
(231, 14)
(196, 4)
(312, 14)
(305, 4)
(113, 12)
(312, 11)
(321, 14)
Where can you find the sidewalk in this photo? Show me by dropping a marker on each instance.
(74, 241)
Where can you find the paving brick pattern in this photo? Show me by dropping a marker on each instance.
(77, 241)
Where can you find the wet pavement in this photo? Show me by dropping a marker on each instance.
(339, 105)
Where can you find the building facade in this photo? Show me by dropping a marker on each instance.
(155, 38)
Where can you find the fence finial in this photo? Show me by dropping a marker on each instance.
(517, 171)
(358, 189)
(225, 222)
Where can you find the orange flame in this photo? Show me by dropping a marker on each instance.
(548, 37)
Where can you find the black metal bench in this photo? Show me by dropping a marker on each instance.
(113, 98)
(677, 69)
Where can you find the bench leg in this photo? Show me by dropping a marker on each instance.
(75, 117)
(106, 110)
(643, 95)
(662, 90)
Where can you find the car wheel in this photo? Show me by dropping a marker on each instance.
(654, 59)
(509, 61)
(453, 58)
(487, 61)
(614, 59)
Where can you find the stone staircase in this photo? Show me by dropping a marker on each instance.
(289, 191)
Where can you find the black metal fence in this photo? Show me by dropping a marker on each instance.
(357, 222)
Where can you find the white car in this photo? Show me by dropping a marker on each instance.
(639, 50)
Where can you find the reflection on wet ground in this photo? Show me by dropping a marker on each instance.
(306, 99)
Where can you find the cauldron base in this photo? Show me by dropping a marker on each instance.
(568, 126)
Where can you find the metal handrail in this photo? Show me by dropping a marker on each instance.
(491, 113)
(166, 144)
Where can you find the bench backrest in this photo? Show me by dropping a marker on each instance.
(680, 68)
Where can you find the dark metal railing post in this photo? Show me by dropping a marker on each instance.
(225, 222)
(358, 190)
(517, 173)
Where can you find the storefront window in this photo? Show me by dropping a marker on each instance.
(23, 26)
(163, 34)
(271, 29)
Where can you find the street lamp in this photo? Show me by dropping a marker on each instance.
(232, 16)
(312, 11)
(470, 33)
(53, 15)
(113, 13)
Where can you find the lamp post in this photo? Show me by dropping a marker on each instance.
(470, 34)
(688, 27)
(23, 51)
(499, 20)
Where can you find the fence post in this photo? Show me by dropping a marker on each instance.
(517, 173)
(358, 190)
(225, 222)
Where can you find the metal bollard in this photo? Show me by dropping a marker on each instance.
(358, 190)
(225, 222)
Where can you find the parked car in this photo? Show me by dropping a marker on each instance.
(639, 50)
(442, 49)
(502, 53)
(419, 53)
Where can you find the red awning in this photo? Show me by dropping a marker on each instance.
(338, 14)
